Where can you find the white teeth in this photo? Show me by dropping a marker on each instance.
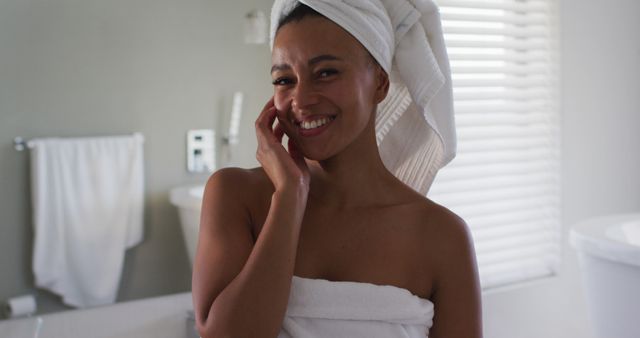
(315, 123)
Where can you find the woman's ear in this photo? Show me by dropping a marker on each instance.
(382, 84)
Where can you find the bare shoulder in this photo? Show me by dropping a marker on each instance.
(435, 223)
(450, 230)
(440, 223)
(447, 234)
(444, 235)
(454, 275)
(235, 175)
(456, 291)
(452, 240)
(438, 228)
(249, 189)
(240, 182)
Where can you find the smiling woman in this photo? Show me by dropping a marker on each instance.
(328, 63)
(339, 219)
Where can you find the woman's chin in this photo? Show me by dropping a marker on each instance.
(315, 155)
(315, 158)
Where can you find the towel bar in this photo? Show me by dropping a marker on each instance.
(20, 144)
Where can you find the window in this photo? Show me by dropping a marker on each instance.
(505, 179)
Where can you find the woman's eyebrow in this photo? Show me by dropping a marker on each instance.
(313, 60)
(323, 57)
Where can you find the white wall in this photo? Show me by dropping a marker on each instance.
(600, 112)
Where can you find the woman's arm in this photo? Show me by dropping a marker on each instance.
(241, 289)
(457, 293)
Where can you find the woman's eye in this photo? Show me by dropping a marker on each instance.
(281, 81)
(327, 72)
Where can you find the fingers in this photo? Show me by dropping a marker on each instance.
(264, 124)
(268, 113)
(278, 132)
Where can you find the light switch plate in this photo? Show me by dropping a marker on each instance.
(201, 151)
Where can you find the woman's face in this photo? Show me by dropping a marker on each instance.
(321, 73)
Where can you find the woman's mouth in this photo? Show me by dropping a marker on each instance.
(314, 127)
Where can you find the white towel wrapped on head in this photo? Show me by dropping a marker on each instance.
(415, 127)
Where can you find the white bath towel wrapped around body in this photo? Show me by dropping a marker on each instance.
(321, 308)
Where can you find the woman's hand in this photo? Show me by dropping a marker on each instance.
(286, 170)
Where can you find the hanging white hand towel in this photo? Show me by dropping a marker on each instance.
(87, 196)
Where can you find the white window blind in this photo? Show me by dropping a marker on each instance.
(504, 180)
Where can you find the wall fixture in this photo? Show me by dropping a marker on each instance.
(255, 27)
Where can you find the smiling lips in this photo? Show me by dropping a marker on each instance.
(315, 126)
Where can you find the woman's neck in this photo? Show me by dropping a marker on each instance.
(356, 177)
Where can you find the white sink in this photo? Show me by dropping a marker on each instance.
(188, 200)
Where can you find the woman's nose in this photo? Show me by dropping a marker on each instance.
(303, 96)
